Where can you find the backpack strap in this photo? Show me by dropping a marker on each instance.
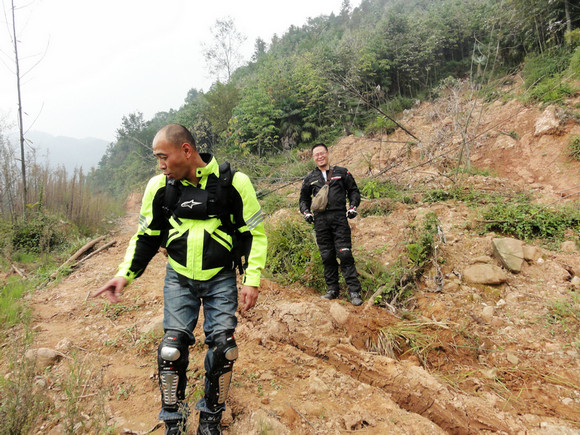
(224, 204)
(171, 196)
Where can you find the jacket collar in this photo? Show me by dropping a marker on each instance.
(211, 168)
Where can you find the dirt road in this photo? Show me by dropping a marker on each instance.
(471, 358)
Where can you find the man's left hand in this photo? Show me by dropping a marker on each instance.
(351, 213)
(248, 297)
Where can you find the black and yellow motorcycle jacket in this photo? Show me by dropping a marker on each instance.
(198, 247)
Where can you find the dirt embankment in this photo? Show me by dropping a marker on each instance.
(470, 358)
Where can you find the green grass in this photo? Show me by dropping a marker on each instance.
(13, 310)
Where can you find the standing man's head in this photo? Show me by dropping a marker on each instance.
(174, 148)
(320, 156)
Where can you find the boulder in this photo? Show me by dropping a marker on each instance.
(548, 122)
(484, 274)
(510, 252)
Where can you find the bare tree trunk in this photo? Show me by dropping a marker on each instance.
(568, 20)
(20, 126)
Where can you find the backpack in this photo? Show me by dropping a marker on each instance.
(213, 202)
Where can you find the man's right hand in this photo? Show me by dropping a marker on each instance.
(308, 217)
(112, 289)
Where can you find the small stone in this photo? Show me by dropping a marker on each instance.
(512, 358)
(487, 313)
(568, 246)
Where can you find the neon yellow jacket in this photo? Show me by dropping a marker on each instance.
(198, 249)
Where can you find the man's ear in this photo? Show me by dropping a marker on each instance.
(187, 149)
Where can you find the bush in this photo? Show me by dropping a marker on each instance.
(574, 147)
(39, 233)
(537, 67)
(372, 188)
(532, 221)
(293, 254)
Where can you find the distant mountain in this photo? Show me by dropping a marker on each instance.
(66, 151)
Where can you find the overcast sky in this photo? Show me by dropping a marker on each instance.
(86, 64)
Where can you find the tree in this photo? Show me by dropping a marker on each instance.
(20, 123)
(223, 54)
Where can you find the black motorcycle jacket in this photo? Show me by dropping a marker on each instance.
(342, 185)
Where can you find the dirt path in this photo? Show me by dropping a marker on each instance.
(494, 359)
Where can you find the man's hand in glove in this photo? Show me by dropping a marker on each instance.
(351, 213)
(308, 217)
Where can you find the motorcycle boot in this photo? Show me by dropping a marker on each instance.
(209, 424)
(175, 427)
(355, 299)
(330, 294)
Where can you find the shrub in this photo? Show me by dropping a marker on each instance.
(39, 233)
(293, 254)
(532, 221)
(574, 147)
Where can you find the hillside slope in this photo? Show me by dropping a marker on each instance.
(493, 358)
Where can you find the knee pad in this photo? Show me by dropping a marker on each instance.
(345, 256)
(219, 375)
(172, 361)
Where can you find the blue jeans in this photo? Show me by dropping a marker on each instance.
(183, 298)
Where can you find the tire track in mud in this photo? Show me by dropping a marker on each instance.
(318, 330)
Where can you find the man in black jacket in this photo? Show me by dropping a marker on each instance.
(330, 224)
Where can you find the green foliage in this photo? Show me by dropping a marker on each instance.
(13, 311)
(274, 202)
(381, 125)
(400, 280)
(293, 254)
(573, 70)
(574, 147)
(527, 221)
(544, 75)
(372, 188)
(41, 232)
(459, 193)
(22, 405)
(552, 89)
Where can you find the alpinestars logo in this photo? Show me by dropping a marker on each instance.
(190, 204)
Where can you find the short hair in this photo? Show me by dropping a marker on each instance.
(177, 134)
(318, 145)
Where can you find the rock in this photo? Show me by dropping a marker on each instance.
(548, 122)
(568, 246)
(484, 274)
(64, 345)
(487, 313)
(531, 253)
(575, 283)
(512, 358)
(43, 357)
(339, 313)
(155, 326)
(510, 252)
(482, 259)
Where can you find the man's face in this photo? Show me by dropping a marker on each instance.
(320, 157)
(172, 159)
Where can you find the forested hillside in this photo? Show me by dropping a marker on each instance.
(354, 73)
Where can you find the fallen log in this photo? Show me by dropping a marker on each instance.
(76, 255)
(18, 271)
(102, 248)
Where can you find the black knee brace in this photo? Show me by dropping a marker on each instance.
(219, 376)
(172, 361)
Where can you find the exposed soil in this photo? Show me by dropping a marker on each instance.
(493, 359)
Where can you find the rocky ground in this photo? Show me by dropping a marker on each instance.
(469, 357)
